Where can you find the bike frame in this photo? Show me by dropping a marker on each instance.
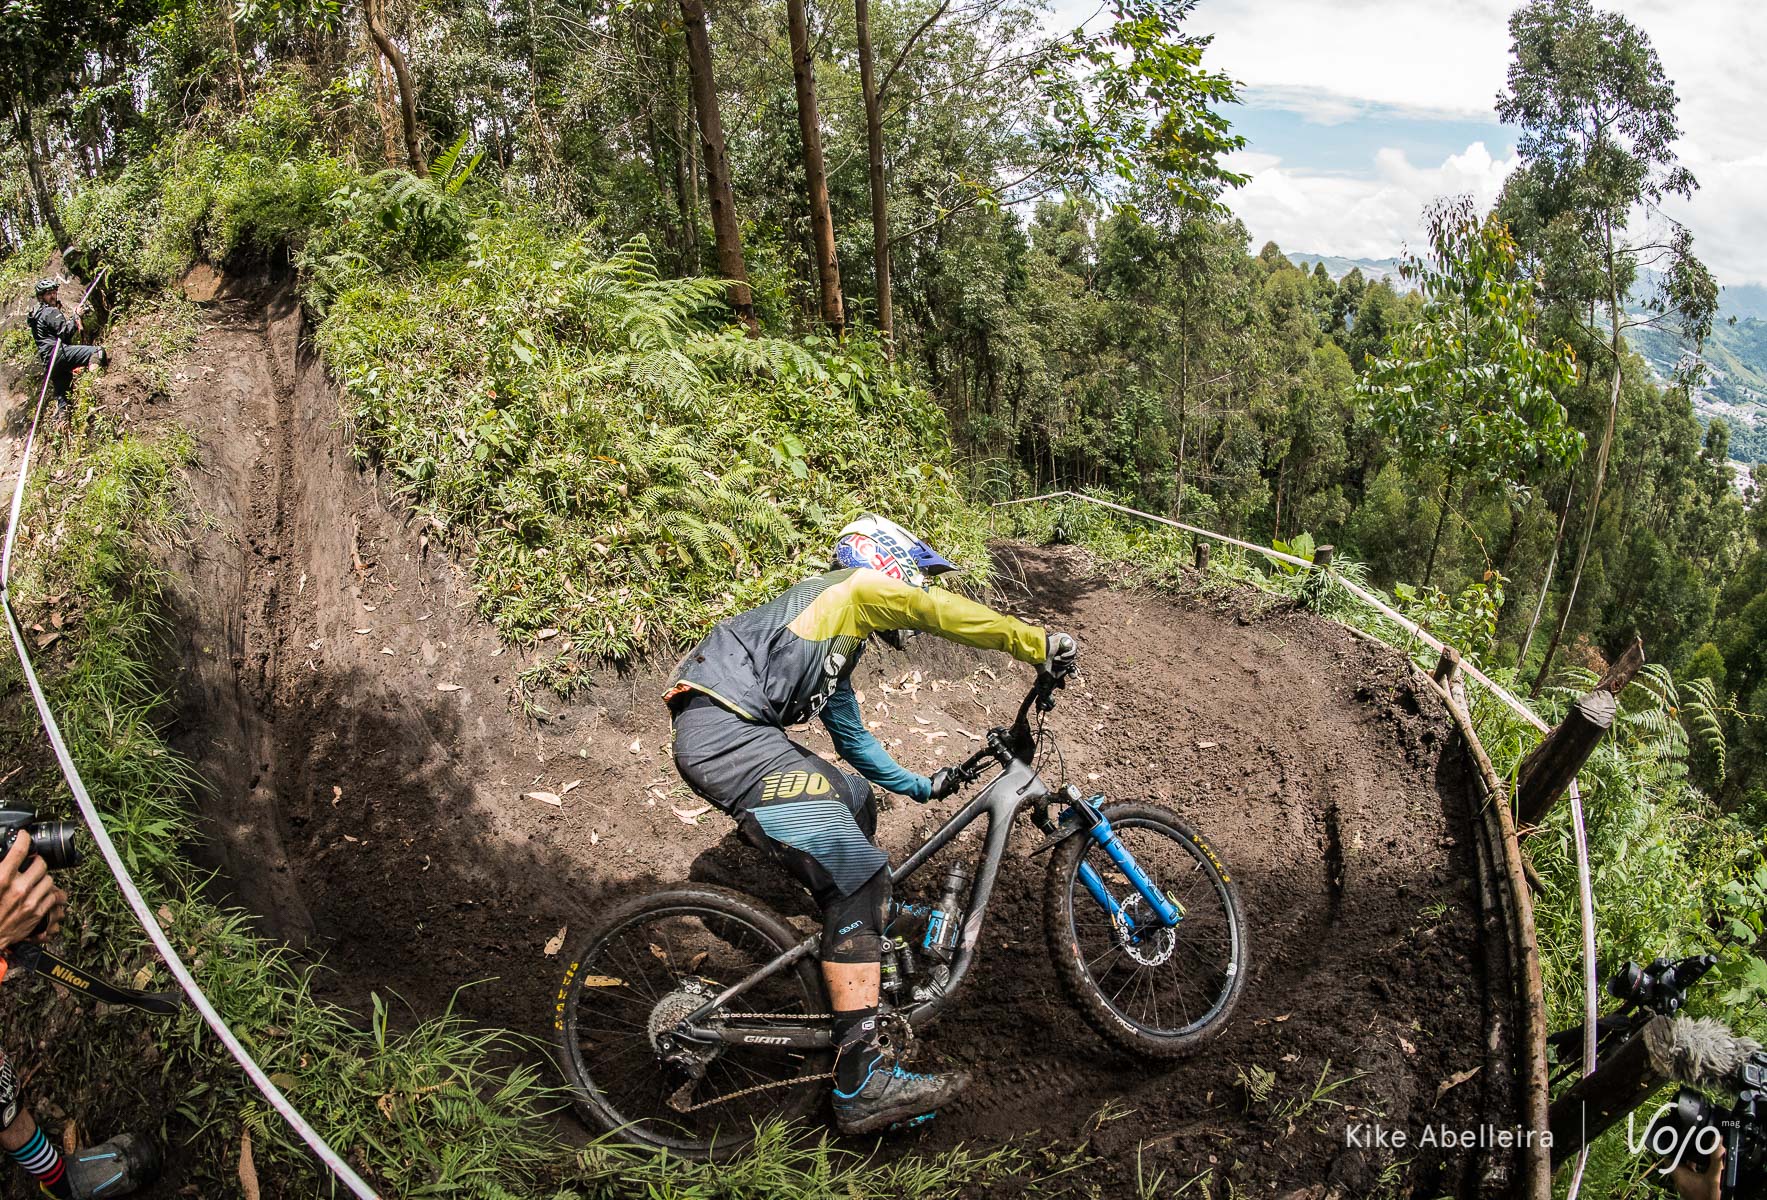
(1017, 787)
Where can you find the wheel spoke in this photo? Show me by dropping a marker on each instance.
(1168, 970)
(659, 953)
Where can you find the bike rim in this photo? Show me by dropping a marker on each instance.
(632, 979)
(1166, 989)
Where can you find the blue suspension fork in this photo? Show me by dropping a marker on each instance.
(1100, 831)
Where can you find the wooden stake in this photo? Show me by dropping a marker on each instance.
(1595, 1103)
(1202, 555)
(1624, 668)
(1553, 764)
(1447, 666)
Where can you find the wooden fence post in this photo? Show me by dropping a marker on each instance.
(1624, 668)
(1446, 666)
(1202, 556)
(1553, 764)
(1595, 1103)
(1313, 591)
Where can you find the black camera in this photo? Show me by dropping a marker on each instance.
(1662, 986)
(1691, 1127)
(52, 841)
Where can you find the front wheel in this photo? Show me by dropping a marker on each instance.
(1151, 990)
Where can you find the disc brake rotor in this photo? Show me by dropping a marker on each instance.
(1156, 941)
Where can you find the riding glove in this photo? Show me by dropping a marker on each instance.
(944, 781)
(1062, 653)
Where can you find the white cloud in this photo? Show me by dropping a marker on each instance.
(1347, 59)
(1361, 215)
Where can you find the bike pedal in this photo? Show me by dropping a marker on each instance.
(911, 1122)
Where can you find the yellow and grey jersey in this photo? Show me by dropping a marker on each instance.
(779, 663)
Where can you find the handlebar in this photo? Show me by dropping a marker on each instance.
(1016, 741)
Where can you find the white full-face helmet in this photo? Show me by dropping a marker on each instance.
(881, 544)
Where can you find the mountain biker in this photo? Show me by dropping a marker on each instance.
(783, 663)
(49, 324)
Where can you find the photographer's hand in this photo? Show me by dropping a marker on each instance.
(31, 905)
(1694, 1185)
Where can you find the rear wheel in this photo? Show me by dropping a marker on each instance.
(646, 965)
(1159, 992)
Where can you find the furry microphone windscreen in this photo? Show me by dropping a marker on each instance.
(1698, 1051)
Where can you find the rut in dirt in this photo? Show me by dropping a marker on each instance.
(369, 798)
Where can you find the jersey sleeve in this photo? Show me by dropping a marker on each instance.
(883, 603)
(854, 742)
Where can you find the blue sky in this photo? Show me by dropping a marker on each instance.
(1360, 112)
(1351, 145)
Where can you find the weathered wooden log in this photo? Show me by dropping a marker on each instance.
(1624, 668)
(1202, 555)
(1553, 764)
(1535, 1160)
(1322, 555)
(1446, 666)
(1622, 1081)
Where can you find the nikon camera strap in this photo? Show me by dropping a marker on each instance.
(27, 958)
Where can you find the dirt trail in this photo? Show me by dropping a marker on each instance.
(368, 768)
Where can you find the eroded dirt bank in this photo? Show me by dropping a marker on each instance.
(368, 773)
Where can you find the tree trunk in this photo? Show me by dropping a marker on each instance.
(1594, 511)
(1558, 541)
(383, 103)
(828, 267)
(1429, 568)
(233, 51)
(880, 212)
(21, 116)
(722, 196)
(407, 91)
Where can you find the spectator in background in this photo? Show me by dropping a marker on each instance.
(31, 909)
(48, 325)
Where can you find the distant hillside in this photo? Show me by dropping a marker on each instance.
(1338, 267)
(1735, 389)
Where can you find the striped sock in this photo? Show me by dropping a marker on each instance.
(43, 1161)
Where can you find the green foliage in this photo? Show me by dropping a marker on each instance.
(624, 468)
(1469, 385)
(1141, 107)
(1467, 621)
(786, 1162)
(392, 220)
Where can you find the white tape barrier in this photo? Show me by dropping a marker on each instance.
(1586, 895)
(95, 823)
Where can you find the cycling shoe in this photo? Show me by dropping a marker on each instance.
(887, 1097)
(113, 1168)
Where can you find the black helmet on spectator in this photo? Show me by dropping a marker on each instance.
(45, 286)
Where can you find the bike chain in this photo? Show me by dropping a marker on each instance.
(895, 1047)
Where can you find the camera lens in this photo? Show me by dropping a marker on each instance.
(53, 841)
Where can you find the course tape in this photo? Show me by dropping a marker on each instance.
(1585, 890)
(125, 882)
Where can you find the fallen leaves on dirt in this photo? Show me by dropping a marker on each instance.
(248, 1171)
(551, 798)
(690, 816)
(1453, 1081)
(555, 943)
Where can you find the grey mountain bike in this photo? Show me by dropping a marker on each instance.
(688, 1018)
